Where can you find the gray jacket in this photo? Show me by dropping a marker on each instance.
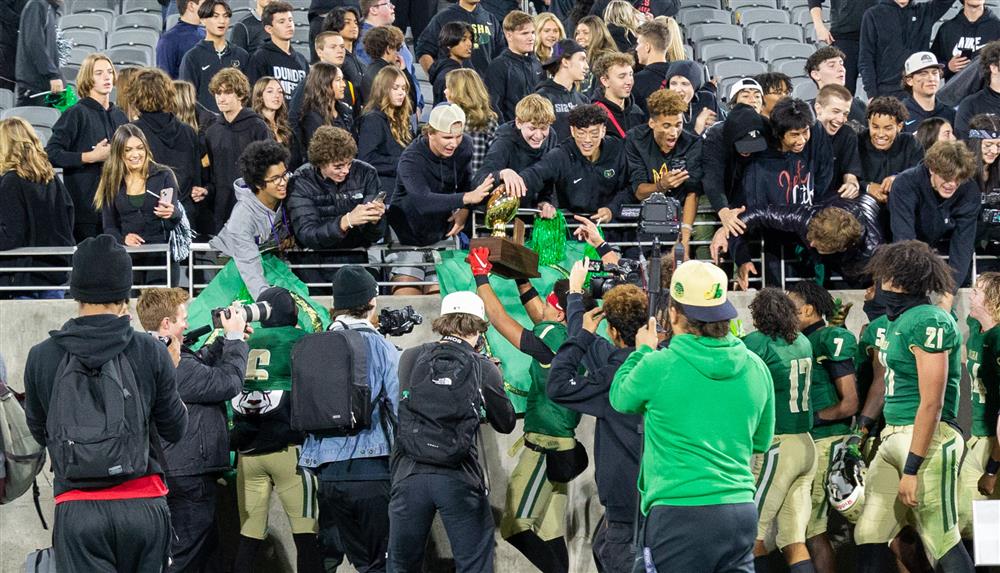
(37, 59)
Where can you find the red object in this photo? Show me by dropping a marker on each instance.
(479, 261)
(138, 488)
(553, 300)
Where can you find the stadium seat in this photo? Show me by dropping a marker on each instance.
(301, 35)
(304, 50)
(69, 72)
(239, 13)
(735, 5)
(132, 38)
(84, 21)
(86, 38)
(726, 51)
(107, 15)
(717, 32)
(789, 4)
(174, 18)
(139, 20)
(801, 15)
(301, 19)
(756, 33)
(44, 133)
(728, 69)
(130, 56)
(696, 16)
(37, 116)
(810, 33)
(791, 68)
(748, 16)
(142, 6)
(6, 99)
(700, 4)
(773, 52)
(804, 89)
(300, 5)
(77, 55)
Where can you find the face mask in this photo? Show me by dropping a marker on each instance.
(875, 307)
(896, 303)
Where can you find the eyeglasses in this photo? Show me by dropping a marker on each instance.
(383, 4)
(277, 178)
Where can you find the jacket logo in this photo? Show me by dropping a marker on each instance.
(609, 173)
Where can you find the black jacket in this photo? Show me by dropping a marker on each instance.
(437, 73)
(844, 145)
(37, 59)
(80, 128)
(225, 143)
(617, 436)
(249, 34)
(378, 148)
(289, 69)
(984, 101)
(960, 34)
(889, 34)
(511, 77)
(121, 217)
(206, 380)
(648, 80)
(845, 17)
(174, 144)
(919, 114)
(487, 34)
(647, 163)
(305, 125)
(563, 100)
(316, 204)
(200, 64)
(95, 340)
(34, 215)
(428, 189)
(722, 167)
(354, 72)
(580, 186)
(621, 121)
(877, 165)
(916, 211)
(509, 150)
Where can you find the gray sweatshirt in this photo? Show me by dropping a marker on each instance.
(37, 59)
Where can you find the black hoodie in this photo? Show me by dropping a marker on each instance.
(121, 217)
(581, 187)
(775, 177)
(919, 114)
(488, 39)
(80, 128)
(621, 121)
(984, 101)
(437, 72)
(378, 148)
(509, 150)
(34, 215)
(289, 69)
(648, 80)
(510, 78)
(647, 163)
(37, 59)
(249, 33)
(563, 100)
(877, 165)
(95, 340)
(225, 143)
(174, 144)
(960, 34)
(200, 64)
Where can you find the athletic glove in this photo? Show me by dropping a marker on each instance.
(479, 261)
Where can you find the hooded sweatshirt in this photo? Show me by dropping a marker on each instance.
(722, 167)
(428, 189)
(95, 340)
(703, 420)
(647, 163)
(37, 59)
(200, 64)
(581, 186)
(487, 35)
(511, 77)
(225, 143)
(251, 228)
(176, 42)
(919, 114)
(249, 33)
(289, 69)
(960, 34)
(704, 95)
(563, 100)
(174, 144)
(984, 101)
(509, 150)
(889, 34)
(34, 215)
(378, 148)
(877, 165)
(648, 80)
(777, 177)
(845, 17)
(621, 120)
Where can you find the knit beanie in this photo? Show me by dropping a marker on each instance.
(693, 71)
(102, 271)
(353, 287)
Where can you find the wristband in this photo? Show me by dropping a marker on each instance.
(687, 226)
(349, 225)
(604, 248)
(866, 424)
(482, 280)
(992, 467)
(528, 295)
(913, 462)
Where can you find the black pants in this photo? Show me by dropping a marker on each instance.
(192, 501)
(465, 511)
(415, 14)
(359, 511)
(613, 546)
(850, 49)
(706, 538)
(128, 535)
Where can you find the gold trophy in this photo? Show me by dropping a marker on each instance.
(510, 258)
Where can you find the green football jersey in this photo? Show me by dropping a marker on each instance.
(542, 415)
(830, 344)
(873, 333)
(269, 364)
(930, 329)
(982, 363)
(790, 366)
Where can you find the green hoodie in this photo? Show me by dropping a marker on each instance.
(707, 405)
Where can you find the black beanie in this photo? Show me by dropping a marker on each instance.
(283, 309)
(353, 287)
(102, 271)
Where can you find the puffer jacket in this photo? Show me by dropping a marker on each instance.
(316, 205)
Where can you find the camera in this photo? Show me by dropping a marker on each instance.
(398, 321)
(658, 216)
(627, 271)
(991, 207)
(255, 312)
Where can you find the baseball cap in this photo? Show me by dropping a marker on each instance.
(444, 116)
(562, 49)
(463, 302)
(920, 61)
(700, 289)
(751, 142)
(744, 84)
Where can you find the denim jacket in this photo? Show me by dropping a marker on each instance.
(383, 364)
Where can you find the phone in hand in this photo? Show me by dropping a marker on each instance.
(167, 195)
(380, 198)
(967, 53)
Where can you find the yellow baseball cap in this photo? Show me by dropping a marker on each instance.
(700, 289)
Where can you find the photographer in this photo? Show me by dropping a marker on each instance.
(205, 381)
(617, 441)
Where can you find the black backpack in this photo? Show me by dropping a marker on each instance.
(441, 406)
(330, 392)
(97, 424)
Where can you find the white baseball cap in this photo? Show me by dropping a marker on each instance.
(744, 84)
(700, 289)
(920, 61)
(444, 116)
(463, 302)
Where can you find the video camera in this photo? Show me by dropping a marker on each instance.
(627, 271)
(255, 312)
(399, 321)
(658, 216)
(989, 217)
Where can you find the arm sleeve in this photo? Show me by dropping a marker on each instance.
(36, 42)
(372, 232)
(496, 159)
(867, 53)
(539, 176)
(693, 162)
(583, 393)
(169, 413)
(111, 222)
(164, 55)
(420, 191)
(220, 380)
(627, 393)
(64, 134)
(935, 10)
(535, 347)
(713, 168)
(933, 332)
(35, 405)
(371, 138)
(852, 160)
(390, 376)
(822, 161)
(311, 230)
(246, 253)
(496, 84)
(499, 410)
(241, 36)
(964, 115)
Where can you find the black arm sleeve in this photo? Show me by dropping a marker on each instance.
(535, 347)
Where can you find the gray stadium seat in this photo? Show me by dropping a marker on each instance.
(804, 89)
(6, 99)
(86, 38)
(130, 56)
(239, 12)
(44, 133)
(810, 32)
(139, 20)
(789, 4)
(86, 21)
(132, 38)
(791, 68)
(784, 50)
(69, 72)
(77, 55)
(37, 116)
(301, 35)
(174, 18)
(142, 6)
(727, 69)
(300, 4)
(107, 15)
(735, 5)
(726, 51)
(748, 16)
(693, 16)
(301, 19)
(304, 50)
(700, 4)
(717, 32)
(756, 33)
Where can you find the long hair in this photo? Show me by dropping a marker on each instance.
(381, 100)
(675, 48)
(621, 13)
(466, 89)
(319, 91)
(987, 176)
(22, 152)
(114, 170)
(601, 41)
(186, 103)
(85, 75)
(541, 20)
(282, 132)
(123, 91)
(774, 314)
(989, 284)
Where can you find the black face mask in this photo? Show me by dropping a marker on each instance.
(875, 307)
(896, 303)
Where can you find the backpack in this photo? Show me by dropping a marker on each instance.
(331, 396)
(97, 424)
(441, 406)
(22, 455)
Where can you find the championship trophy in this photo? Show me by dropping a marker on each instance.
(510, 258)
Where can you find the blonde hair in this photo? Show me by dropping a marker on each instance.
(601, 41)
(621, 13)
(22, 152)
(989, 283)
(536, 110)
(186, 103)
(675, 49)
(114, 170)
(123, 89)
(282, 132)
(541, 20)
(466, 89)
(155, 304)
(381, 100)
(85, 75)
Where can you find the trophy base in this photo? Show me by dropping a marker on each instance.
(510, 260)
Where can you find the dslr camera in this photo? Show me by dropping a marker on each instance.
(627, 271)
(255, 312)
(989, 217)
(658, 216)
(398, 321)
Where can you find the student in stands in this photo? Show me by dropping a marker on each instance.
(884, 149)
(207, 57)
(465, 89)
(844, 32)
(344, 21)
(986, 100)
(276, 57)
(622, 20)
(516, 72)
(651, 53)
(567, 66)
(593, 35)
(322, 104)
(614, 73)
(832, 106)
(921, 80)
(826, 67)
(183, 36)
(80, 141)
(548, 31)
(455, 49)
(688, 78)
(249, 32)
(932, 130)
(776, 85)
(36, 65)
(378, 13)
(958, 41)
(268, 101)
(386, 126)
(489, 41)
(384, 44)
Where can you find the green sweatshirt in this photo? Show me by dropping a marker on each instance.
(708, 406)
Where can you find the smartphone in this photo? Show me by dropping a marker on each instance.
(380, 198)
(968, 53)
(167, 195)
